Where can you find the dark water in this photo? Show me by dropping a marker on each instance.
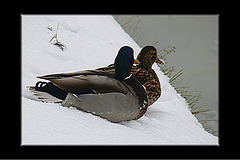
(196, 40)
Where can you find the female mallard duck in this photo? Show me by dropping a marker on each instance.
(146, 75)
(115, 95)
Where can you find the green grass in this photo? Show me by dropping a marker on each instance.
(176, 80)
(192, 97)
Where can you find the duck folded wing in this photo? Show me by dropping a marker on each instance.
(104, 71)
(83, 84)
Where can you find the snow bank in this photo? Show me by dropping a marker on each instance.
(93, 41)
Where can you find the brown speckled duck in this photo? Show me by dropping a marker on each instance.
(146, 75)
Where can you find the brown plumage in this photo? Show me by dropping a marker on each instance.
(102, 80)
(144, 72)
(149, 79)
(111, 93)
(146, 75)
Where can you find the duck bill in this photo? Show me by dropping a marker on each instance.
(136, 61)
(160, 61)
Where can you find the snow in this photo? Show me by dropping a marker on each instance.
(93, 41)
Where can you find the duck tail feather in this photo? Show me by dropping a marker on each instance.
(44, 96)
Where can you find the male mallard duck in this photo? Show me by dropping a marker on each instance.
(115, 95)
(144, 72)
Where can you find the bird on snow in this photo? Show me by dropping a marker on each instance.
(105, 91)
(116, 96)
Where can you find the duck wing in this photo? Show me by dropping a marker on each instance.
(104, 71)
(88, 81)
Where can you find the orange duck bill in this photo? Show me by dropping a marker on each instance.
(160, 61)
(136, 61)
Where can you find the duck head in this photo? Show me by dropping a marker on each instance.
(147, 56)
(123, 62)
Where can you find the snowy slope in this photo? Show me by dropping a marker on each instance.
(93, 41)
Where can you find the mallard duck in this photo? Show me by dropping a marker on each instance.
(144, 72)
(146, 75)
(113, 94)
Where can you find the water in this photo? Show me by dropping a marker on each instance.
(196, 40)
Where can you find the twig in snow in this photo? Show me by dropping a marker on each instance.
(55, 41)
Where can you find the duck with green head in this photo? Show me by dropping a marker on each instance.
(144, 72)
(113, 95)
